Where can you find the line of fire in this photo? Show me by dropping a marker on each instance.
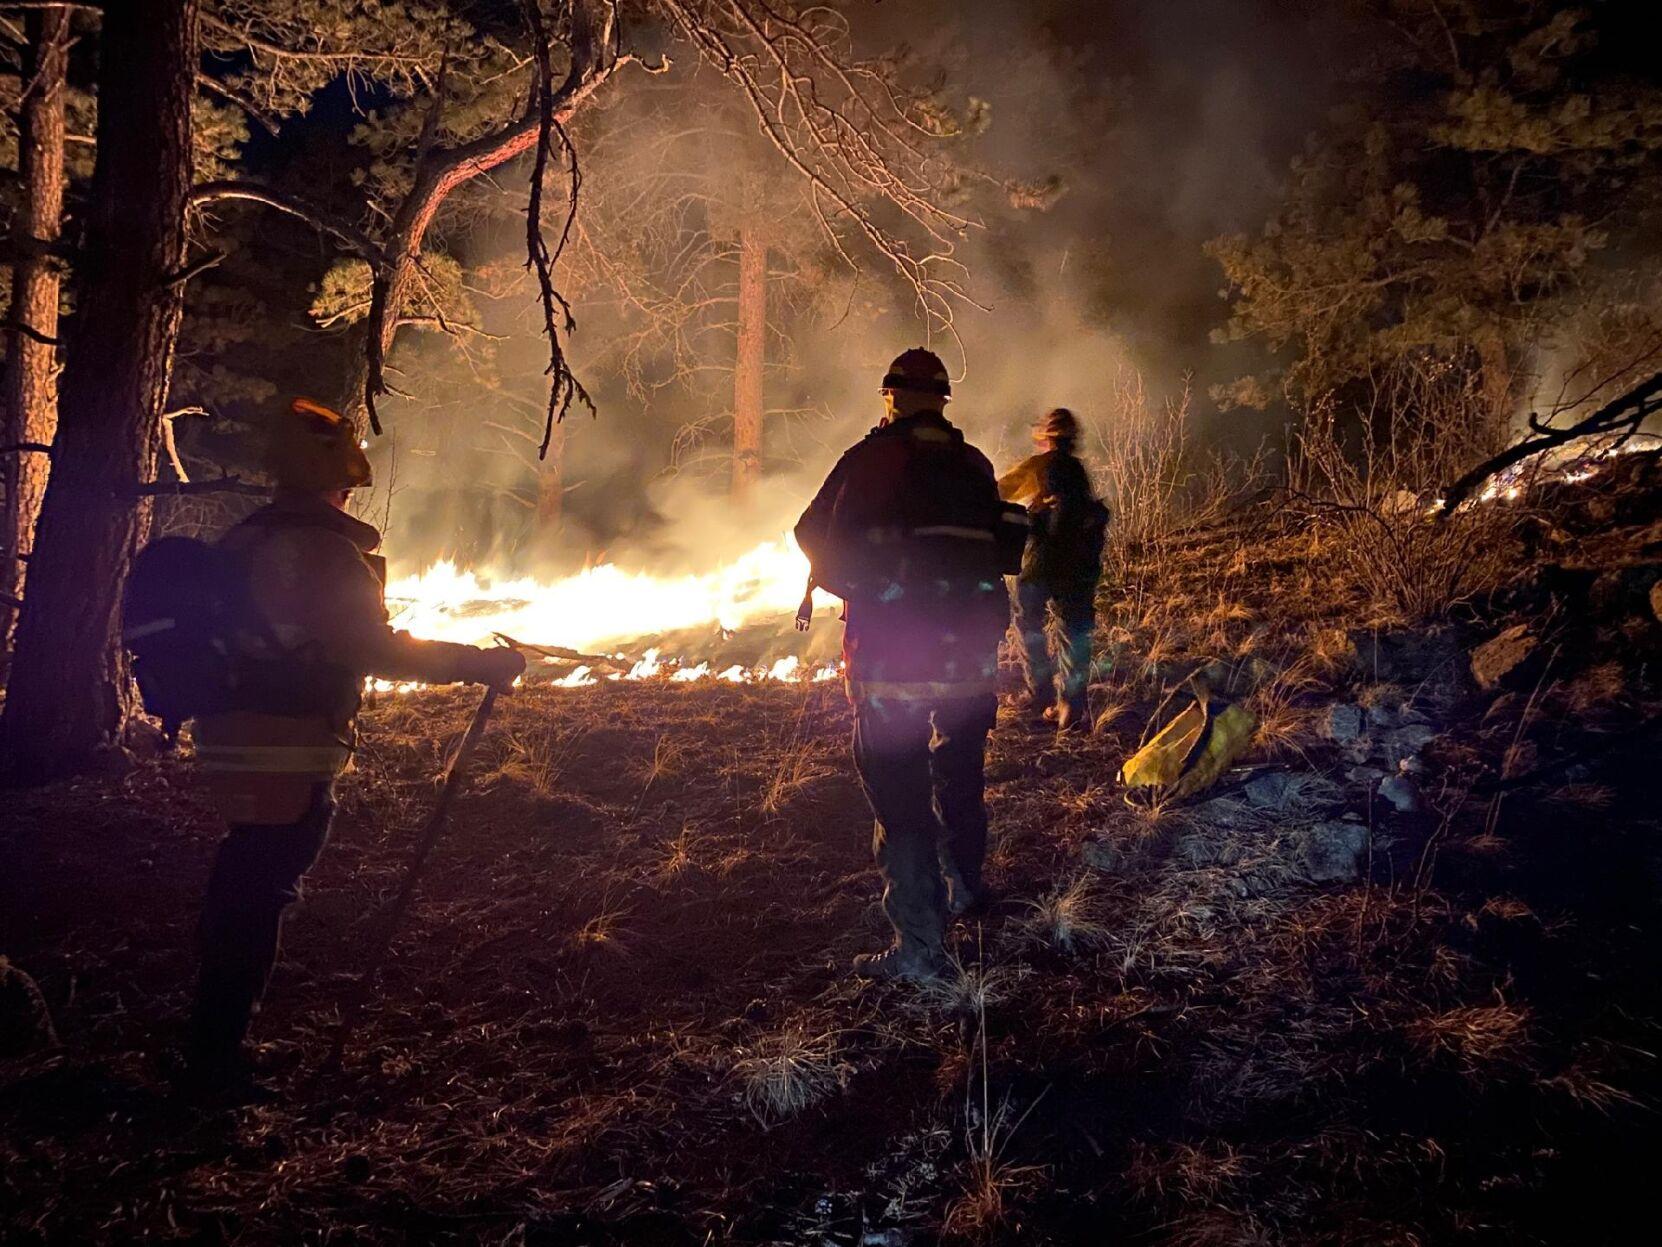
(865, 623)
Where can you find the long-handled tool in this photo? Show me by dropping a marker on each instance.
(450, 783)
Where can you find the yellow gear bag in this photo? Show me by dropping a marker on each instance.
(1191, 751)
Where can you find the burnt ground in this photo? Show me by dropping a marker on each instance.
(618, 1013)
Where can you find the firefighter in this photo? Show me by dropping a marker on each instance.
(1059, 569)
(905, 531)
(314, 626)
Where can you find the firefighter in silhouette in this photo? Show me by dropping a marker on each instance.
(909, 531)
(315, 626)
(1059, 568)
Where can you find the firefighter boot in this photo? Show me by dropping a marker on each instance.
(215, 1060)
(1073, 715)
(905, 960)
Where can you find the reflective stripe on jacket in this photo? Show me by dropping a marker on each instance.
(920, 690)
(262, 768)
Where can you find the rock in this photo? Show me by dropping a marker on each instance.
(1103, 855)
(1270, 791)
(1219, 812)
(1382, 715)
(1288, 792)
(1402, 793)
(1217, 673)
(1504, 658)
(1626, 590)
(25, 1021)
(1196, 850)
(1360, 751)
(1407, 741)
(1343, 722)
(1410, 657)
(1332, 852)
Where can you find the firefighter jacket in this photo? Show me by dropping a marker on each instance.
(319, 626)
(1068, 524)
(905, 531)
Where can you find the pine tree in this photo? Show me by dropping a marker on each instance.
(1460, 205)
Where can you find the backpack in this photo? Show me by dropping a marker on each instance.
(918, 510)
(183, 603)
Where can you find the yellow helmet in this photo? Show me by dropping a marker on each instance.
(316, 450)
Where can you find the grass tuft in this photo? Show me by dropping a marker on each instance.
(787, 1072)
(1068, 919)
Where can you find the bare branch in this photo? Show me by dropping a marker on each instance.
(350, 237)
(219, 485)
(28, 331)
(215, 87)
(563, 385)
(443, 169)
(1621, 417)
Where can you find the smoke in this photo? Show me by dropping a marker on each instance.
(1165, 123)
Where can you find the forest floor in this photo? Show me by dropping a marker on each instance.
(1286, 1012)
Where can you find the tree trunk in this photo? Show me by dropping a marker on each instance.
(1500, 377)
(750, 361)
(31, 396)
(68, 698)
(551, 483)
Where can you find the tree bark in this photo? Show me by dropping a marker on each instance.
(31, 395)
(750, 361)
(1500, 375)
(68, 698)
(551, 483)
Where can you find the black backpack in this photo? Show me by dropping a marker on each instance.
(183, 604)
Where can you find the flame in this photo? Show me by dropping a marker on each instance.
(599, 604)
(606, 604)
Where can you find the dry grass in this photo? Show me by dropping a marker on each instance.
(991, 1180)
(991, 1185)
(678, 854)
(535, 758)
(1477, 1038)
(1581, 796)
(668, 755)
(1372, 495)
(782, 1074)
(1277, 1032)
(1188, 1173)
(1284, 717)
(604, 933)
(969, 990)
(804, 764)
(1069, 919)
